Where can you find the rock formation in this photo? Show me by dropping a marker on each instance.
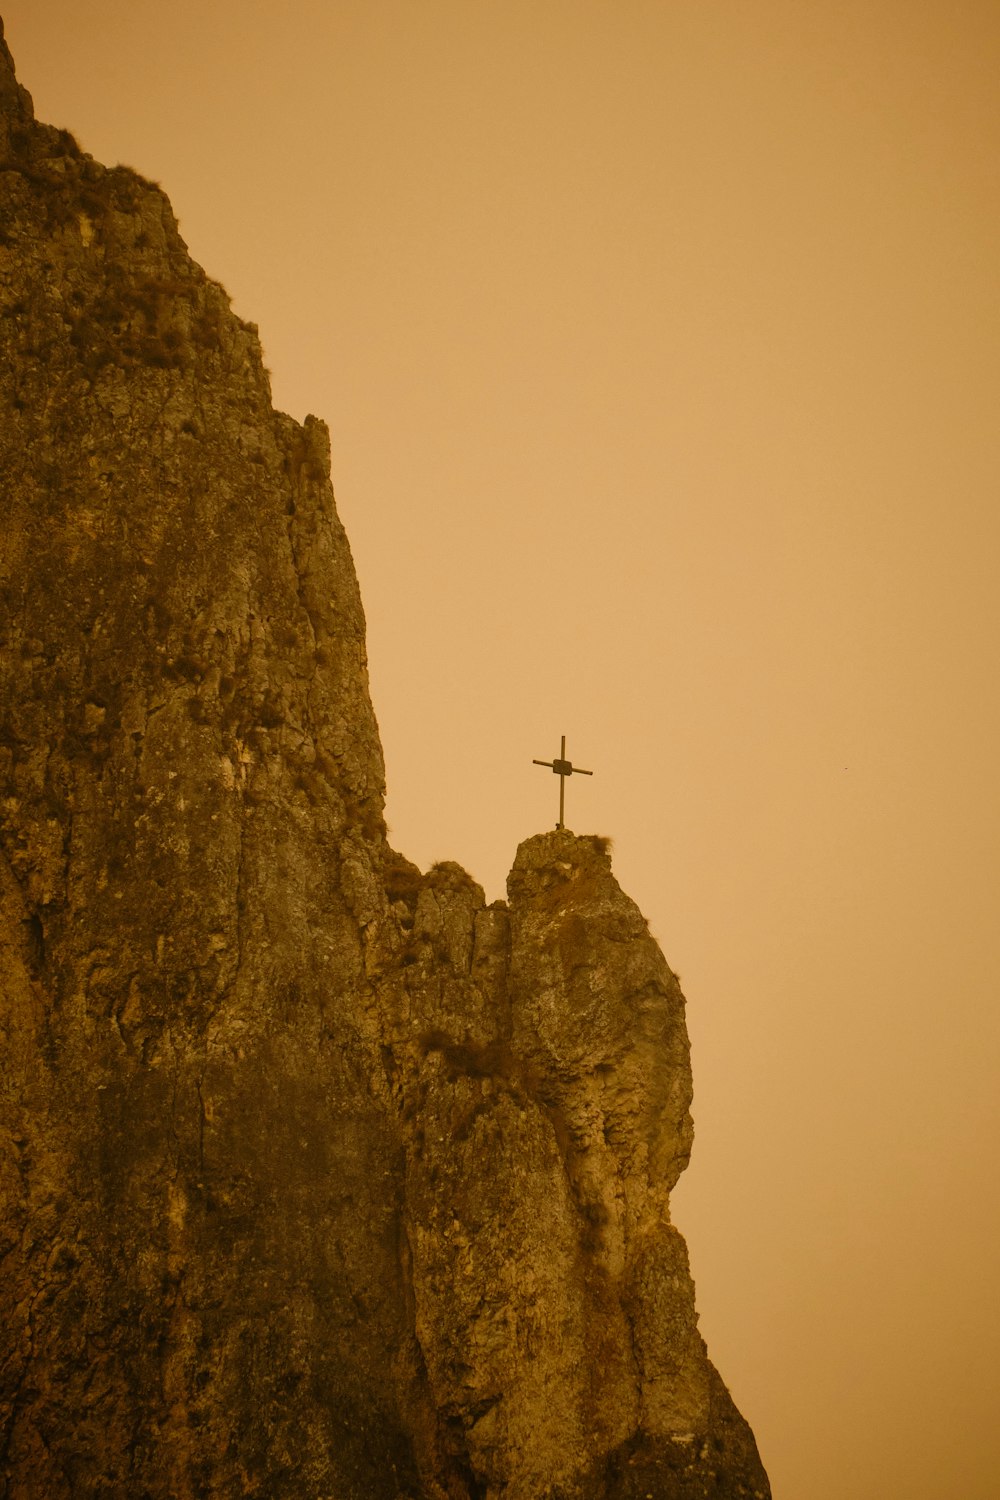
(320, 1177)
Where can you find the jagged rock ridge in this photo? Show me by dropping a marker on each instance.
(320, 1176)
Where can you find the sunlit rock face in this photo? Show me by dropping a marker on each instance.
(319, 1176)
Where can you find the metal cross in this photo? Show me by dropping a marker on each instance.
(562, 768)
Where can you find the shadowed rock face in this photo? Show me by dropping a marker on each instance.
(318, 1176)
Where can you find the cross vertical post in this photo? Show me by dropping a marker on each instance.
(562, 768)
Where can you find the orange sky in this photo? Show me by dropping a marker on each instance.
(659, 344)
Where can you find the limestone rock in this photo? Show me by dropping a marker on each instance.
(319, 1176)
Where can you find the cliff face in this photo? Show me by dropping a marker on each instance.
(318, 1176)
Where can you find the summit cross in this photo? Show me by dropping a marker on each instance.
(562, 768)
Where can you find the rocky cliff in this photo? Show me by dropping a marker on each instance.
(320, 1177)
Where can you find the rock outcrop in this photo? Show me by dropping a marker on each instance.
(320, 1176)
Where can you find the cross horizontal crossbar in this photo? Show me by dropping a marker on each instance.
(562, 767)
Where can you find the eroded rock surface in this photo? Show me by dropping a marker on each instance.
(320, 1177)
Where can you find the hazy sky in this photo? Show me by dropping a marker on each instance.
(659, 344)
